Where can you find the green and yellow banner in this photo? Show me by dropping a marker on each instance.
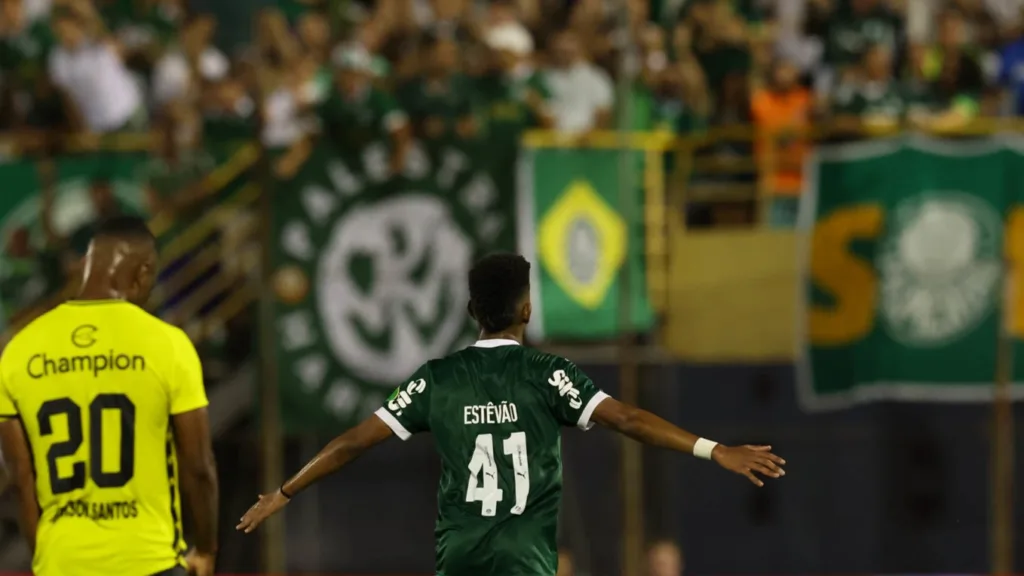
(910, 271)
(580, 239)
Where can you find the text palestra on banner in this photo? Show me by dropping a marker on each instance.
(370, 272)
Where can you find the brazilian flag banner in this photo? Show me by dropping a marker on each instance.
(580, 240)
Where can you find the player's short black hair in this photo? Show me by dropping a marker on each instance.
(496, 283)
(126, 227)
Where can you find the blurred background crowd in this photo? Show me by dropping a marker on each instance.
(451, 68)
(190, 75)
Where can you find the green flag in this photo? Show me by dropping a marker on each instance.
(905, 270)
(371, 271)
(579, 238)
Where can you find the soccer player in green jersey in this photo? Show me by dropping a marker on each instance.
(496, 410)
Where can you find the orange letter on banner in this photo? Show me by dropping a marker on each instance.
(850, 281)
(1015, 256)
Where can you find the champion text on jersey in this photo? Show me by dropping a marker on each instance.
(41, 365)
(566, 389)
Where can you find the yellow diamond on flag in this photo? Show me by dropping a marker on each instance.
(582, 243)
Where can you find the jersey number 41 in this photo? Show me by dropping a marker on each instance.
(483, 464)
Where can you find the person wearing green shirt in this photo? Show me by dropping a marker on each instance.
(141, 24)
(24, 45)
(877, 100)
(24, 49)
(681, 102)
(357, 112)
(440, 102)
(719, 38)
(851, 28)
(229, 113)
(950, 77)
(513, 95)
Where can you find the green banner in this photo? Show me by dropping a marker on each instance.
(370, 272)
(31, 265)
(905, 270)
(578, 238)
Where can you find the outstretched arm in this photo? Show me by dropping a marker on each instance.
(645, 427)
(337, 453)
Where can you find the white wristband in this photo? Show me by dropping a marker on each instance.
(703, 447)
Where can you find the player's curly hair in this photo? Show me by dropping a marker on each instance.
(496, 283)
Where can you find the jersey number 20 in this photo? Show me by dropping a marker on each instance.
(482, 463)
(126, 468)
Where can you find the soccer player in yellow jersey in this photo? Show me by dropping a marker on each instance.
(104, 413)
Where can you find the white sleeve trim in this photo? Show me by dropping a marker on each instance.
(393, 423)
(584, 422)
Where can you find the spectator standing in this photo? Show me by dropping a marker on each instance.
(988, 22)
(720, 44)
(953, 75)
(357, 112)
(100, 94)
(314, 33)
(595, 26)
(681, 101)
(875, 99)
(440, 101)
(781, 113)
(654, 55)
(142, 28)
(181, 73)
(24, 48)
(228, 110)
(581, 93)
(848, 29)
(301, 86)
(514, 94)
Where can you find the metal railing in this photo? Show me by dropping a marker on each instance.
(208, 283)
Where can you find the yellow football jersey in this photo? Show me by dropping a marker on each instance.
(95, 384)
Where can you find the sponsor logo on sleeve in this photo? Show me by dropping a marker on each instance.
(401, 398)
(566, 389)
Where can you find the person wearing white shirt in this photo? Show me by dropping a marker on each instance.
(93, 79)
(581, 93)
(178, 74)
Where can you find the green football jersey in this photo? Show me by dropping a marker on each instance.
(496, 410)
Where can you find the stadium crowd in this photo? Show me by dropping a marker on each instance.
(428, 68)
(439, 69)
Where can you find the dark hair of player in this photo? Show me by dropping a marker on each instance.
(124, 227)
(496, 284)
